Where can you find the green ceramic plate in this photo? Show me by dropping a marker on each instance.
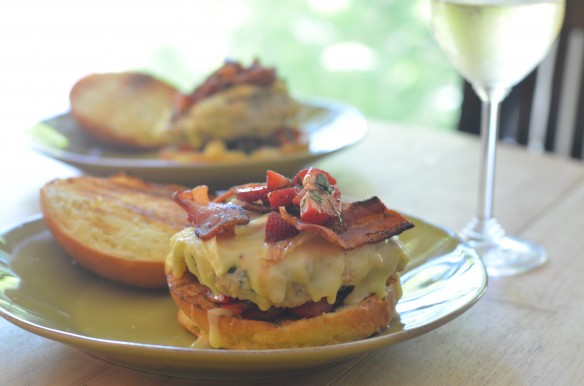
(330, 127)
(44, 292)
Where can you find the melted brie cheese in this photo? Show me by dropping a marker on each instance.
(288, 273)
(213, 316)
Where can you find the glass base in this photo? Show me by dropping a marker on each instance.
(502, 255)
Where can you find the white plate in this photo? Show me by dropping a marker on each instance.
(330, 127)
(42, 291)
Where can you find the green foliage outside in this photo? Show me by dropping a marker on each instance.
(377, 55)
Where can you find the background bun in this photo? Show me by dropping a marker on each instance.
(118, 227)
(124, 109)
(345, 324)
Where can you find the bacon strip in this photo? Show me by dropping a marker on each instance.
(363, 222)
(209, 218)
(229, 75)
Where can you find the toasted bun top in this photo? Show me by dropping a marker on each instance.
(125, 109)
(118, 227)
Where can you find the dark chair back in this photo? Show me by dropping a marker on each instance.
(546, 110)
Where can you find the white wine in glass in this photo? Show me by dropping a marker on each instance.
(494, 44)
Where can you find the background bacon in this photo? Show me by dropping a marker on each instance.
(231, 74)
(362, 222)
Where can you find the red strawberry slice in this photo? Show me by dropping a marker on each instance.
(317, 179)
(299, 178)
(251, 192)
(277, 229)
(276, 180)
(321, 201)
(296, 200)
(317, 209)
(283, 197)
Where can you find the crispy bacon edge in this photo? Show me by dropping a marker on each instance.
(230, 74)
(209, 218)
(362, 222)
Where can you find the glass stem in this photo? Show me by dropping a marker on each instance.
(502, 255)
(489, 134)
(484, 228)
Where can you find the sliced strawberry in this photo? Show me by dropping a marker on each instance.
(321, 201)
(317, 179)
(296, 200)
(312, 309)
(283, 197)
(313, 210)
(251, 192)
(276, 180)
(299, 178)
(277, 229)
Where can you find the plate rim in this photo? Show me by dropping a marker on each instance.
(348, 350)
(85, 160)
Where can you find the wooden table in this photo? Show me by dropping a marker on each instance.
(527, 329)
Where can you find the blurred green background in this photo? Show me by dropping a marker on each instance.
(378, 55)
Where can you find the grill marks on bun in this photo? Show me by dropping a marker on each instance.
(118, 227)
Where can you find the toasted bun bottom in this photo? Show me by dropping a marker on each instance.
(344, 324)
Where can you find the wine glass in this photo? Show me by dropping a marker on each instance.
(494, 44)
